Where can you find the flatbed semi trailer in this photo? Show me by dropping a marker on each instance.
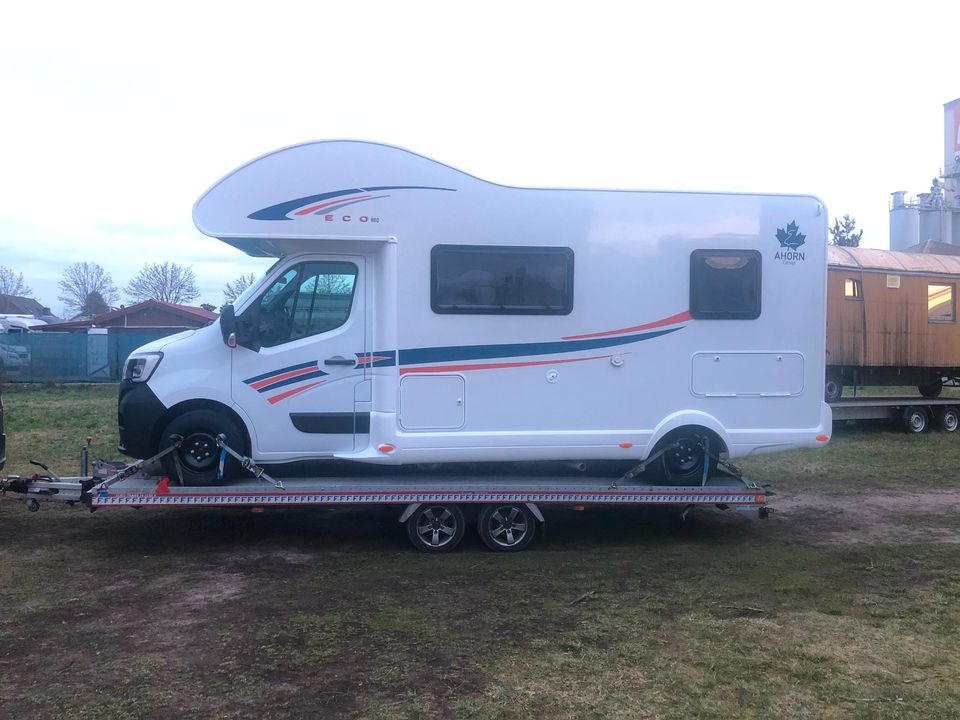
(916, 413)
(506, 507)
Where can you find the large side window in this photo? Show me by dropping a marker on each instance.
(308, 299)
(940, 303)
(499, 280)
(725, 284)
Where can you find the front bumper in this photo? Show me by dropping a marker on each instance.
(139, 413)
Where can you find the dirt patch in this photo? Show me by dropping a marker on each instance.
(888, 517)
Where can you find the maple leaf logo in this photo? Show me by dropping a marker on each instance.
(791, 237)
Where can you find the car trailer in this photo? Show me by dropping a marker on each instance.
(916, 413)
(432, 505)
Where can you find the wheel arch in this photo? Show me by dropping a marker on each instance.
(200, 404)
(700, 421)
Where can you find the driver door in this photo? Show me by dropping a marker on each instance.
(296, 375)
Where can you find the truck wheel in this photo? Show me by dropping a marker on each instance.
(683, 462)
(506, 528)
(199, 454)
(948, 418)
(832, 390)
(916, 419)
(436, 528)
(931, 390)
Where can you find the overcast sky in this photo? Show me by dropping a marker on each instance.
(116, 116)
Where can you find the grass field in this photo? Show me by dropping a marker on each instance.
(846, 603)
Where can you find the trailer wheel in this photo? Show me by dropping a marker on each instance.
(199, 454)
(436, 528)
(832, 389)
(948, 418)
(916, 419)
(931, 390)
(506, 528)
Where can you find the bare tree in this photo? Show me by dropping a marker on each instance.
(81, 280)
(232, 290)
(167, 282)
(12, 283)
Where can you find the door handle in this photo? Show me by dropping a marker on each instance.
(339, 360)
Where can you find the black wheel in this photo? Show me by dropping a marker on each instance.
(916, 420)
(436, 528)
(199, 454)
(931, 390)
(948, 418)
(506, 528)
(833, 389)
(683, 461)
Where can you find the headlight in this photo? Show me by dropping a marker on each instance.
(139, 368)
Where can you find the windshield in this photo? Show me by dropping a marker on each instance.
(245, 296)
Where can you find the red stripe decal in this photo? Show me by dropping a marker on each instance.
(678, 318)
(283, 376)
(494, 366)
(367, 359)
(284, 395)
(314, 208)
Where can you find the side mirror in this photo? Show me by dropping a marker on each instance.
(228, 325)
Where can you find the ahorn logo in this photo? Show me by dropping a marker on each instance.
(329, 204)
(790, 240)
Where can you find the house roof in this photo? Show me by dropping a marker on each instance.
(891, 261)
(190, 314)
(17, 305)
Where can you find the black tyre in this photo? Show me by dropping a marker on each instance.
(833, 389)
(199, 454)
(916, 420)
(948, 418)
(683, 461)
(436, 528)
(506, 528)
(931, 390)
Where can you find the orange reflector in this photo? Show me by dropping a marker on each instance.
(386, 448)
(823, 438)
(256, 509)
(626, 445)
(760, 499)
(578, 508)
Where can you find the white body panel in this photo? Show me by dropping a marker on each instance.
(625, 366)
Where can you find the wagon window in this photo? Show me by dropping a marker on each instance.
(852, 289)
(725, 284)
(940, 303)
(498, 280)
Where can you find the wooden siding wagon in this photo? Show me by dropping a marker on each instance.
(891, 319)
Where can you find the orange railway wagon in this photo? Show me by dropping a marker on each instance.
(891, 320)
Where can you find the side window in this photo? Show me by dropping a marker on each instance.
(940, 303)
(852, 289)
(501, 280)
(307, 299)
(725, 284)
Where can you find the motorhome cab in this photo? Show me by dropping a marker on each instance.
(416, 314)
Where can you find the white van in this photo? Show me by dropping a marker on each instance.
(417, 314)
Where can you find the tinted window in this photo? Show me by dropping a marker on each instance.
(725, 284)
(501, 280)
(305, 300)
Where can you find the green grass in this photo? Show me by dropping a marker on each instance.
(51, 423)
(614, 614)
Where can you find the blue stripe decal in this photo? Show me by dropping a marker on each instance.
(281, 210)
(258, 378)
(291, 381)
(421, 356)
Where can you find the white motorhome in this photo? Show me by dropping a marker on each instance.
(417, 314)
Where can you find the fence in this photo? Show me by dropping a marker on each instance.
(70, 357)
